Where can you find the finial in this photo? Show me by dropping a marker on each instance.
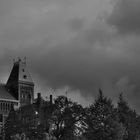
(13, 60)
(19, 59)
(25, 60)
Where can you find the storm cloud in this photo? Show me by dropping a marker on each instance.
(82, 45)
(125, 16)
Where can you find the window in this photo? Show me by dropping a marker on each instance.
(36, 113)
(25, 76)
(1, 118)
(6, 106)
(1, 106)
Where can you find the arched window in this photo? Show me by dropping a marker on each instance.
(3, 106)
(6, 106)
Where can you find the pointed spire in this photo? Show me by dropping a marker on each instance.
(25, 59)
(19, 77)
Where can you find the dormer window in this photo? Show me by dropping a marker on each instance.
(25, 76)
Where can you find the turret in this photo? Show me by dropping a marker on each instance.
(20, 83)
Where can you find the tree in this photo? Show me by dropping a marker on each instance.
(67, 117)
(12, 125)
(129, 118)
(102, 121)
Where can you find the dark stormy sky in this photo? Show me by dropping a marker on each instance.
(74, 45)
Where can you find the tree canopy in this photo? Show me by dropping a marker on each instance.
(68, 120)
(102, 120)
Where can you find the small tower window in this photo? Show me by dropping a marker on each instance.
(23, 70)
(25, 76)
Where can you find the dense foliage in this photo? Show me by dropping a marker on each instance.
(67, 117)
(13, 125)
(100, 121)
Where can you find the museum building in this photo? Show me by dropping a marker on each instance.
(17, 92)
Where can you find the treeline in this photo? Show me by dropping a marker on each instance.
(69, 120)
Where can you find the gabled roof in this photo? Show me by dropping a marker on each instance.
(5, 94)
(19, 74)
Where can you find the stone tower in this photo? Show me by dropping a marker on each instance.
(20, 83)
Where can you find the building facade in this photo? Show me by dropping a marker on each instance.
(36, 114)
(17, 92)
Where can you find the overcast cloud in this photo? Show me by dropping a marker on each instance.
(83, 45)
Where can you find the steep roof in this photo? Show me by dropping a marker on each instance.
(4, 93)
(20, 73)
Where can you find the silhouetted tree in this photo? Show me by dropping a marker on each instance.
(12, 125)
(67, 117)
(102, 120)
(129, 119)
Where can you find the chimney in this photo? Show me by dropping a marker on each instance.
(38, 95)
(39, 101)
(50, 99)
